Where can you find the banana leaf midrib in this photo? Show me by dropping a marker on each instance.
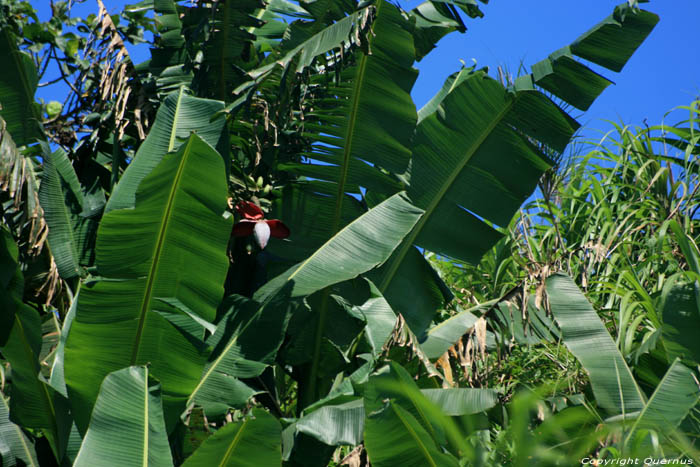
(335, 226)
(413, 434)
(349, 134)
(146, 412)
(234, 443)
(347, 150)
(153, 271)
(409, 241)
(173, 131)
(215, 364)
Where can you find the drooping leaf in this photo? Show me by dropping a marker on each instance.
(331, 37)
(537, 327)
(671, 402)
(172, 244)
(396, 383)
(127, 426)
(62, 200)
(586, 337)
(380, 319)
(445, 334)
(254, 442)
(462, 401)
(18, 445)
(433, 20)
(19, 179)
(681, 322)
(33, 402)
(178, 116)
(335, 425)
(401, 419)
(360, 246)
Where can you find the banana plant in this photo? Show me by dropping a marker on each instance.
(320, 136)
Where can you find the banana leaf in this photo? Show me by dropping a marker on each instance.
(127, 426)
(18, 84)
(253, 442)
(586, 337)
(179, 115)
(171, 245)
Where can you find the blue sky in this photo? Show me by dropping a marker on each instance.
(664, 73)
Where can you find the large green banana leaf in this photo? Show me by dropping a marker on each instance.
(612, 42)
(344, 423)
(18, 83)
(403, 427)
(394, 437)
(371, 115)
(586, 337)
(335, 425)
(395, 382)
(32, 402)
(469, 161)
(14, 444)
(254, 442)
(179, 115)
(672, 400)
(171, 245)
(127, 426)
(364, 122)
(169, 56)
(478, 155)
(360, 246)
